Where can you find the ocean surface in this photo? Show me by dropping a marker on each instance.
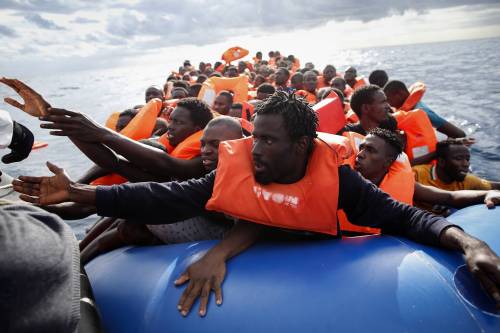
(462, 78)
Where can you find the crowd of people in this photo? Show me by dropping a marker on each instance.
(207, 145)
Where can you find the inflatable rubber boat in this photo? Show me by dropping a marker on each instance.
(371, 283)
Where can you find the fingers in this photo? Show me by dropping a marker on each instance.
(62, 112)
(27, 198)
(489, 203)
(182, 279)
(205, 293)
(26, 188)
(184, 296)
(54, 168)
(10, 83)
(14, 103)
(218, 293)
(489, 285)
(190, 297)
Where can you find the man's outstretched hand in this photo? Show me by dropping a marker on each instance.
(205, 275)
(44, 190)
(34, 104)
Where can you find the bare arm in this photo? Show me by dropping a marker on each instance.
(434, 195)
(451, 130)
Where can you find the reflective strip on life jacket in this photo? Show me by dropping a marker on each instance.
(212, 86)
(309, 204)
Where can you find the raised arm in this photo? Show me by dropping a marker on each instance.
(80, 127)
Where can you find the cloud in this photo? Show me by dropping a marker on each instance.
(84, 20)
(7, 32)
(202, 22)
(47, 6)
(41, 22)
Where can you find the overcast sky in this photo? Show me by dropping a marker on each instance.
(70, 35)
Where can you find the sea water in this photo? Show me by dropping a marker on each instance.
(462, 78)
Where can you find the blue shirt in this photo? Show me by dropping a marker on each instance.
(436, 120)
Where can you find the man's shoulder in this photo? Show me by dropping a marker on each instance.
(473, 182)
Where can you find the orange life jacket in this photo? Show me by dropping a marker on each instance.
(322, 83)
(234, 53)
(308, 96)
(417, 91)
(398, 182)
(330, 113)
(188, 149)
(420, 136)
(246, 126)
(140, 127)
(360, 82)
(112, 120)
(302, 205)
(351, 117)
(348, 91)
(247, 111)
(213, 85)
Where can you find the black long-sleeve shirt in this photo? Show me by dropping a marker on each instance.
(363, 203)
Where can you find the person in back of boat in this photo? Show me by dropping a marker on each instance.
(370, 105)
(297, 81)
(451, 171)
(284, 161)
(329, 72)
(381, 148)
(264, 91)
(397, 93)
(222, 102)
(352, 79)
(282, 76)
(378, 77)
(231, 71)
(153, 92)
(310, 86)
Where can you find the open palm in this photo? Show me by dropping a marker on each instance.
(34, 104)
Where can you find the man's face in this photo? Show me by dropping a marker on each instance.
(350, 74)
(281, 77)
(212, 136)
(235, 112)
(181, 126)
(221, 105)
(310, 82)
(457, 162)
(232, 72)
(338, 83)
(178, 93)
(397, 98)
(273, 150)
(379, 109)
(329, 73)
(153, 92)
(372, 159)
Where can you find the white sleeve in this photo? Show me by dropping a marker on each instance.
(6, 129)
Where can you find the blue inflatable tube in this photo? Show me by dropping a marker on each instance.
(373, 283)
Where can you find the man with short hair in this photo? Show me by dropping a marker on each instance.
(297, 81)
(329, 72)
(397, 93)
(451, 171)
(378, 77)
(153, 92)
(264, 91)
(281, 79)
(222, 102)
(310, 86)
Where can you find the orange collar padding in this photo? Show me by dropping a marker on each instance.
(417, 91)
(112, 120)
(142, 125)
(213, 85)
(302, 205)
(308, 96)
(420, 136)
(330, 113)
(398, 182)
(188, 149)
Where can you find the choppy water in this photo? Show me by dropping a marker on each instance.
(463, 85)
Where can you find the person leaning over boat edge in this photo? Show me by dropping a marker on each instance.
(285, 129)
